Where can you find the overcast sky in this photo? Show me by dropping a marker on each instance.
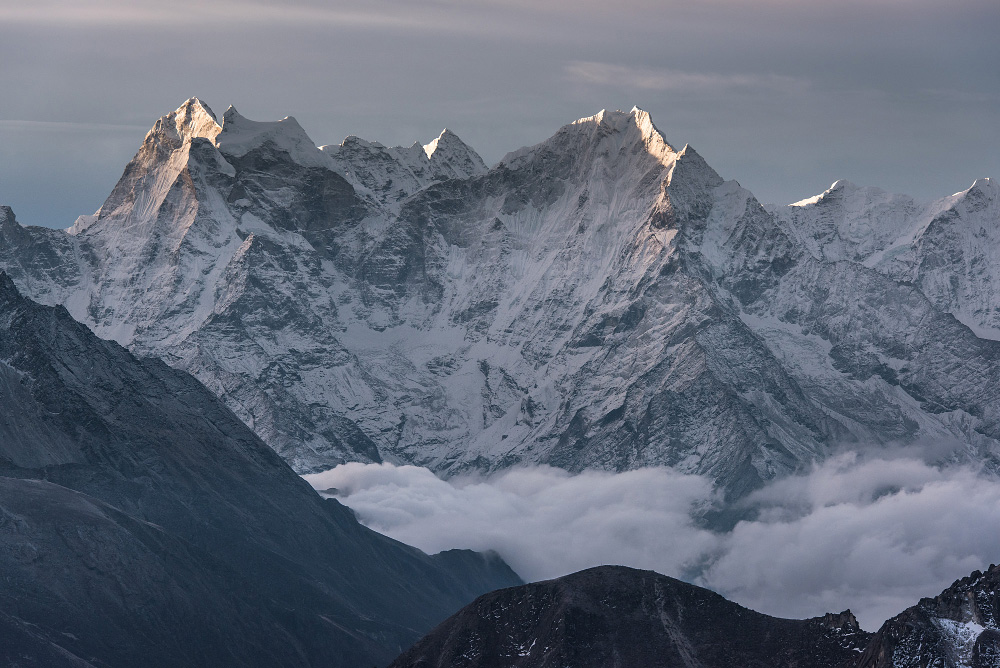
(785, 96)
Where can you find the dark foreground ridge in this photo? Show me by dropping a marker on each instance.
(617, 616)
(142, 524)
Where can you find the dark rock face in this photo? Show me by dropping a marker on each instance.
(958, 628)
(83, 577)
(141, 523)
(615, 616)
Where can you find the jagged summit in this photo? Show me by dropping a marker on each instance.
(236, 135)
(959, 589)
(842, 183)
(445, 136)
(596, 118)
(838, 186)
(843, 188)
(240, 135)
(605, 133)
(621, 121)
(195, 106)
(984, 185)
(959, 627)
(387, 175)
(453, 157)
(192, 119)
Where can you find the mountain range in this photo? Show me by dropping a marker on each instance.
(600, 299)
(246, 306)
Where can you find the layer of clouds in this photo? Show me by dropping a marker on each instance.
(872, 534)
(544, 521)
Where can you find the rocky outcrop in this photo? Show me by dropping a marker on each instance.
(616, 616)
(956, 629)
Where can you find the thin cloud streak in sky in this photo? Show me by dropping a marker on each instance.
(226, 14)
(46, 126)
(606, 74)
(388, 12)
(873, 534)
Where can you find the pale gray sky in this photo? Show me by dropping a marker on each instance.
(785, 96)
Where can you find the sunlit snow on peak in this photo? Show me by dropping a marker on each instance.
(430, 148)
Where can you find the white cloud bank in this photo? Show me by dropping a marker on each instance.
(870, 534)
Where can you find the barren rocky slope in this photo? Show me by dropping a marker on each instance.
(615, 616)
(141, 523)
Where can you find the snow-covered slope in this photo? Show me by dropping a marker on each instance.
(957, 629)
(948, 248)
(388, 175)
(600, 299)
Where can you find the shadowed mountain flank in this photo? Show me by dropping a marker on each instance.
(141, 523)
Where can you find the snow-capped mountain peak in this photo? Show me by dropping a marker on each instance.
(840, 186)
(450, 155)
(596, 118)
(387, 175)
(433, 145)
(984, 184)
(616, 144)
(655, 143)
(945, 247)
(192, 119)
(240, 136)
(596, 300)
(632, 125)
